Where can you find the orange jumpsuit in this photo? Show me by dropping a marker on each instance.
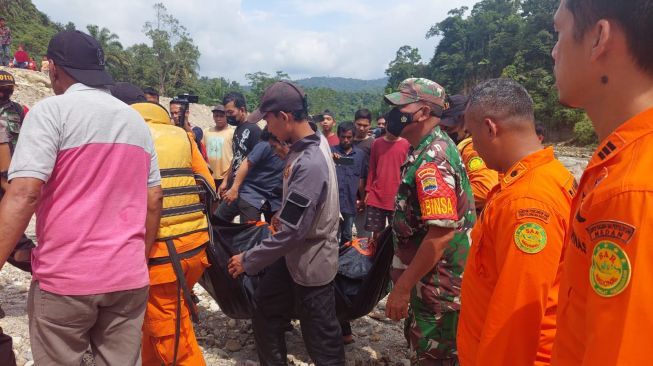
(159, 323)
(510, 285)
(481, 178)
(605, 315)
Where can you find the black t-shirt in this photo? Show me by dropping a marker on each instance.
(246, 136)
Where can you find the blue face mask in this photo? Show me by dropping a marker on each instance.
(396, 121)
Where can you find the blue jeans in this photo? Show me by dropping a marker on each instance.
(345, 227)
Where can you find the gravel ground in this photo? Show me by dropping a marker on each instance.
(223, 341)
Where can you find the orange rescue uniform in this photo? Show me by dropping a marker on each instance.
(161, 313)
(481, 178)
(510, 285)
(605, 315)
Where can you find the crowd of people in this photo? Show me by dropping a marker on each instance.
(20, 59)
(500, 256)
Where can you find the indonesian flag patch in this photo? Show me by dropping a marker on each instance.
(437, 200)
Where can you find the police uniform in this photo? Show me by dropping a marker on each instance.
(604, 315)
(434, 191)
(301, 259)
(510, 287)
(178, 257)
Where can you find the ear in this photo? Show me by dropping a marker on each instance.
(490, 128)
(602, 33)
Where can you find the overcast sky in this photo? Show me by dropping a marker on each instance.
(347, 38)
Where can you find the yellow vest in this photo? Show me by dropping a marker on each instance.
(182, 212)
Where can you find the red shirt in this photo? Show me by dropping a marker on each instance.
(333, 140)
(21, 56)
(384, 174)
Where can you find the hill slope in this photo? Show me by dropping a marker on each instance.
(28, 26)
(344, 84)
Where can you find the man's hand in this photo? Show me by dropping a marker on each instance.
(360, 205)
(276, 223)
(230, 196)
(235, 266)
(336, 156)
(223, 188)
(396, 307)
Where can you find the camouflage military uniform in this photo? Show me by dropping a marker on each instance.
(434, 191)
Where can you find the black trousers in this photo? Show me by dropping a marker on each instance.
(277, 298)
(243, 209)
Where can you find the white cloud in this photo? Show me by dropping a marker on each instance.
(349, 38)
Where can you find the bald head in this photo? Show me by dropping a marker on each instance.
(503, 101)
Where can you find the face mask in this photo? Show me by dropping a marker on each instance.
(397, 120)
(5, 95)
(231, 120)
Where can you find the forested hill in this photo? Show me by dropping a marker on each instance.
(28, 25)
(344, 84)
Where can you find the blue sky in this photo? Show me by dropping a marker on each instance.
(347, 38)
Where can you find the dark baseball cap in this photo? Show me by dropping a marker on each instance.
(127, 92)
(255, 116)
(457, 105)
(81, 56)
(283, 96)
(218, 108)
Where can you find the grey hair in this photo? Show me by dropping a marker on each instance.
(501, 99)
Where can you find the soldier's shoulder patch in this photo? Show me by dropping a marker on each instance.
(533, 213)
(530, 238)
(475, 163)
(610, 271)
(611, 230)
(436, 198)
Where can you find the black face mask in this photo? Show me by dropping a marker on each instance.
(396, 120)
(454, 137)
(5, 95)
(231, 120)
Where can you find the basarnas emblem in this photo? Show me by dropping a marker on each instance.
(610, 271)
(530, 238)
(475, 163)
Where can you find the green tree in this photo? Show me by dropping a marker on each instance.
(258, 82)
(407, 64)
(175, 54)
(116, 57)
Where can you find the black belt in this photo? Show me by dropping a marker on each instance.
(185, 255)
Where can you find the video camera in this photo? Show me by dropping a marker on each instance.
(184, 100)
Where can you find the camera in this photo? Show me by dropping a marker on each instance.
(184, 100)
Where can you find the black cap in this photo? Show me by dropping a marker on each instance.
(255, 116)
(218, 108)
(283, 96)
(457, 105)
(81, 56)
(6, 79)
(128, 93)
